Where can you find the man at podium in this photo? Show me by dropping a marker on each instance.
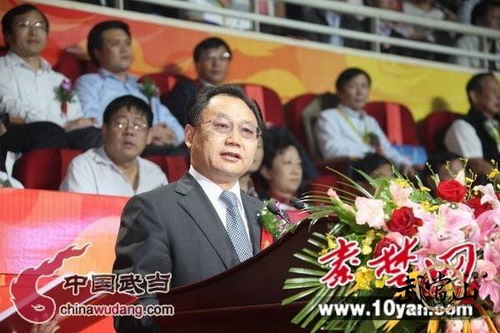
(202, 224)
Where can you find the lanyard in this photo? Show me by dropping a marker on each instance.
(363, 135)
(492, 129)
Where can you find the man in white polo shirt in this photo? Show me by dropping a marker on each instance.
(116, 168)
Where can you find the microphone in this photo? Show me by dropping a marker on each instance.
(275, 210)
(297, 203)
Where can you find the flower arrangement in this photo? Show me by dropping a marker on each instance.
(275, 226)
(64, 94)
(149, 88)
(402, 242)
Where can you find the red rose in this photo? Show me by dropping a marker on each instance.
(404, 222)
(384, 242)
(476, 206)
(451, 190)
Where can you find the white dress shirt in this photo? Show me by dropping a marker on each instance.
(461, 139)
(94, 173)
(30, 95)
(14, 183)
(213, 192)
(336, 137)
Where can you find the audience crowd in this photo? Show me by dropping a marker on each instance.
(114, 120)
(484, 13)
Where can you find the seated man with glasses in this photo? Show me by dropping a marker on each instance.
(30, 91)
(203, 224)
(116, 168)
(212, 57)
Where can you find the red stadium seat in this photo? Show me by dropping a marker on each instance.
(269, 102)
(293, 111)
(74, 64)
(396, 121)
(173, 166)
(321, 184)
(434, 129)
(43, 168)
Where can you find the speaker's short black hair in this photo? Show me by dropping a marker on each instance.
(348, 74)
(128, 101)
(95, 40)
(198, 103)
(8, 18)
(209, 43)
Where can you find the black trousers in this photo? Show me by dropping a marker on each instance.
(27, 137)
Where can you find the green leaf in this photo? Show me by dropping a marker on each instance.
(307, 259)
(378, 323)
(310, 253)
(316, 243)
(298, 296)
(316, 313)
(301, 285)
(301, 280)
(366, 326)
(311, 305)
(307, 271)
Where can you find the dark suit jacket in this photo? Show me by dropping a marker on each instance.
(178, 97)
(318, 16)
(176, 229)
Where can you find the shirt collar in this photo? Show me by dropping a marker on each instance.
(351, 112)
(205, 83)
(102, 157)
(107, 74)
(211, 189)
(15, 60)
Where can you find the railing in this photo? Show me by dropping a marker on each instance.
(374, 37)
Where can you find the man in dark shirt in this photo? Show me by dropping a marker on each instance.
(212, 58)
(477, 135)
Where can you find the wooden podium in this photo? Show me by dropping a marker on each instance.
(246, 298)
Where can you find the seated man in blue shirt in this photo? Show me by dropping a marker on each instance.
(109, 47)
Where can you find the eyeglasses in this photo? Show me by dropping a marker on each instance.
(27, 24)
(136, 126)
(224, 126)
(226, 56)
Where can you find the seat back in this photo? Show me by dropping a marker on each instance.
(396, 121)
(293, 112)
(43, 168)
(269, 102)
(173, 166)
(434, 129)
(73, 65)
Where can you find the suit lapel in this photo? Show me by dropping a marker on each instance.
(251, 211)
(196, 203)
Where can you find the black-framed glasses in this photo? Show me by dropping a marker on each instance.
(225, 126)
(27, 24)
(136, 125)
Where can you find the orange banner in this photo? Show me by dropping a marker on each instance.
(290, 67)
